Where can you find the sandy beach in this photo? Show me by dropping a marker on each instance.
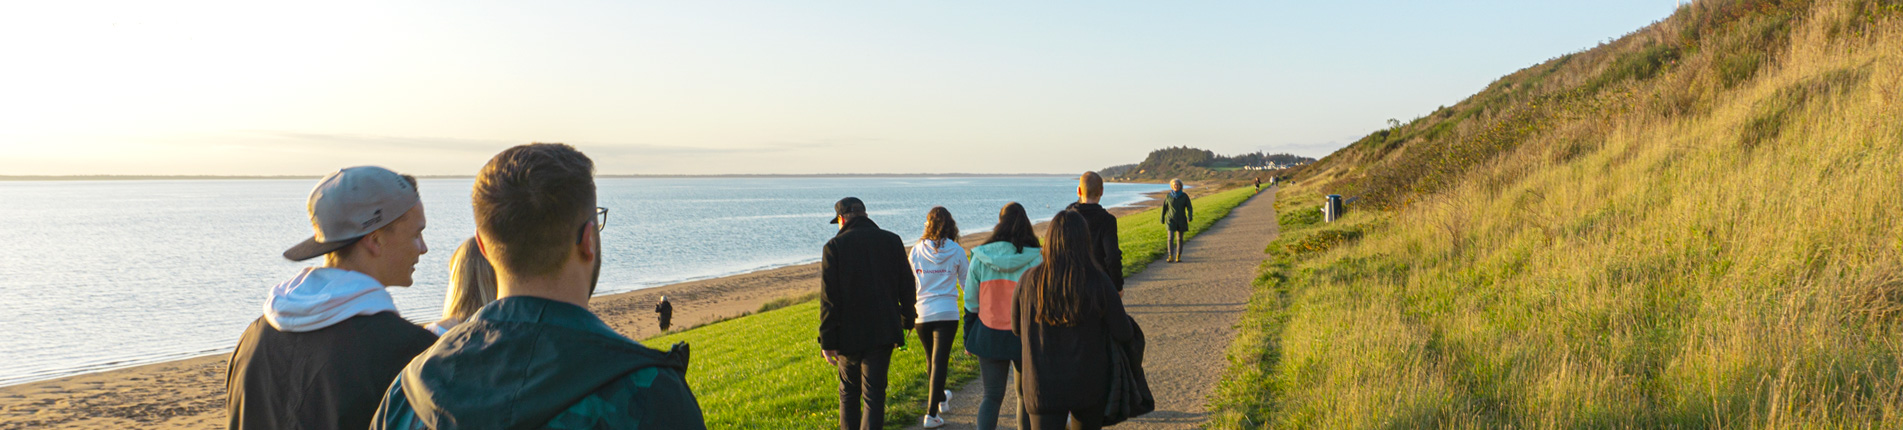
(190, 393)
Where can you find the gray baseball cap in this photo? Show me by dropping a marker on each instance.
(348, 204)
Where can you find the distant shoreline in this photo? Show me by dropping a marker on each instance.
(29, 178)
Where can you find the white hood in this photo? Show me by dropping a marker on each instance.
(930, 251)
(938, 265)
(320, 297)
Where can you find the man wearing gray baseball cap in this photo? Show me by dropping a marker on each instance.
(330, 340)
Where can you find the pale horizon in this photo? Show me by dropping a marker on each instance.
(250, 89)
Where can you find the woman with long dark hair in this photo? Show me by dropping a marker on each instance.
(938, 264)
(1067, 313)
(990, 289)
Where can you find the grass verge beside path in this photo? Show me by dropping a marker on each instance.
(763, 371)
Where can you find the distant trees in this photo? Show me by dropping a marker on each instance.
(1192, 163)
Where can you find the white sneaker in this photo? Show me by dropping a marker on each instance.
(941, 405)
(932, 422)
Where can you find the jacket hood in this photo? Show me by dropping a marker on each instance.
(1004, 257)
(321, 296)
(938, 251)
(519, 362)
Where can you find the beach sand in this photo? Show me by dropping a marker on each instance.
(190, 393)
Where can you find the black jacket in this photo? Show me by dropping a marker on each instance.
(866, 293)
(666, 311)
(331, 378)
(1103, 237)
(1068, 368)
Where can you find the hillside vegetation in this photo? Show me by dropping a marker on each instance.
(1695, 225)
(1203, 165)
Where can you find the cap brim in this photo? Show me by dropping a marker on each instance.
(311, 248)
(835, 220)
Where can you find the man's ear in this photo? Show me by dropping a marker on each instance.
(371, 244)
(586, 249)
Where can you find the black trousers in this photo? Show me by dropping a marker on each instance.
(936, 339)
(862, 377)
(1091, 419)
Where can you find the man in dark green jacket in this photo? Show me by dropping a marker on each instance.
(1177, 213)
(537, 358)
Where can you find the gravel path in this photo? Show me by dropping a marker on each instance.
(1188, 311)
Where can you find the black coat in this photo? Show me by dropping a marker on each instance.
(331, 378)
(867, 291)
(1103, 240)
(1068, 368)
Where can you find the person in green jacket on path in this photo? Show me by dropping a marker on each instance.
(990, 287)
(537, 358)
(1177, 213)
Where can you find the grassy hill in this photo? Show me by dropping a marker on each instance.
(1699, 224)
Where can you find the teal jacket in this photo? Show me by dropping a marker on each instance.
(531, 363)
(990, 288)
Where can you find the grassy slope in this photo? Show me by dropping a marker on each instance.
(1713, 242)
(764, 371)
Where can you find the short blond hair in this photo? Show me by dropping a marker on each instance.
(1176, 184)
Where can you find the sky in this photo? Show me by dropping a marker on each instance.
(742, 87)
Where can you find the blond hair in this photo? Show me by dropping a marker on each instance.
(472, 282)
(1176, 184)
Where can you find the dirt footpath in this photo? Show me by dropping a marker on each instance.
(1188, 311)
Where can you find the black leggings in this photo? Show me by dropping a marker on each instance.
(935, 339)
(1086, 420)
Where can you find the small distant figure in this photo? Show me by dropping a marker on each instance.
(472, 285)
(1258, 183)
(1177, 213)
(866, 302)
(664, 313)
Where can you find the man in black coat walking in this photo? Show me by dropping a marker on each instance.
(865, 304)
(1104, 247)
(664, 313)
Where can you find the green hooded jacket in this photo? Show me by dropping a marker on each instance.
(532, 363)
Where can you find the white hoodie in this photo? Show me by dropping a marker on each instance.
(321, 296)
(938, 265)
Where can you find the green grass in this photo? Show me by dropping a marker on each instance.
(764, 371)
(1698, 245)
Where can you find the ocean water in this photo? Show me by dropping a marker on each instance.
(99, 275)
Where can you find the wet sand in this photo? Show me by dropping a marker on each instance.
(190, 393)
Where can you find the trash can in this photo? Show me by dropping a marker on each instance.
(1331, 210)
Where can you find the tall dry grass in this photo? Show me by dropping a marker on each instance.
(1703, 246)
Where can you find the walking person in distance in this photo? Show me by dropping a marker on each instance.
(938, 265)
(1066, 314)
(990, 291)
(866, 302)
(664, 313)
(1177, 213)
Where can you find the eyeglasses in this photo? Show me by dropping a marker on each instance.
(600, 221)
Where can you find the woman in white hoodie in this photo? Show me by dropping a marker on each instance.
(939, 263)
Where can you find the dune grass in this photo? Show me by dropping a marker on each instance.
(764, 371)
(1694, 246)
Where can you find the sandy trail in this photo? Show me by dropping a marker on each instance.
(1188, 312)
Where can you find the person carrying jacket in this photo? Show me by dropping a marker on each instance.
(866, 302)
(1066, 315)
(1177, 212)
(1104, 246)
(989, 290)
(537, 358)
(330, 339)
(938, 264)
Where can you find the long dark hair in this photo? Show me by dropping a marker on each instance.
(939, 225)
(1058, 287)
(1014, 227)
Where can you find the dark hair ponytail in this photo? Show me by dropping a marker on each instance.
(1057, 286)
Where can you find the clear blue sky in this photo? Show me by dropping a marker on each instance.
(695, 87)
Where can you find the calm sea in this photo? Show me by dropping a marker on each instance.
(109, 274)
